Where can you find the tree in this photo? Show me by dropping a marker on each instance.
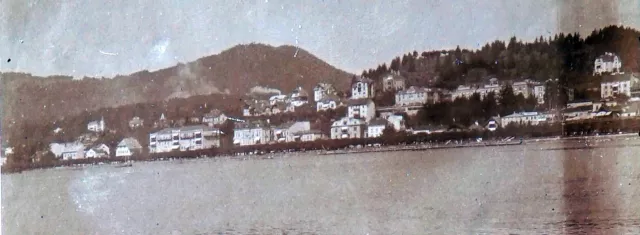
(508, 102)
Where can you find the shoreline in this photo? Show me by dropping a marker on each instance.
(352, 150)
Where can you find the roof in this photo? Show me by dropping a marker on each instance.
(619, 77)
(578, 109)
(249, 125)
(357, 102)
(329, 98)
(522, 114)
(378, 122)
(325, 86)
(414, 89)
(363, 79)
(607, 57)
(130, 143)
(309, 132)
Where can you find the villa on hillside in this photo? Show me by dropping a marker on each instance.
(96, 126)
(607, 63)
(328, 102)
(135, 122)
(483, 90)
(323, 90)
(393, 82)
(362, 88)
(347, 128)
(539, 91)
(523, 87)
(414, 96)
(618, 84)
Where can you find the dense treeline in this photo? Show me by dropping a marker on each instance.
(569, 57)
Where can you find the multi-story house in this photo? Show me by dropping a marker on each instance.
(375, 127)
(617, 84)
(412, 96)
(483, 91)
(362, 88)
(214, 117)
(287, 131)
(361, 108)
(347, 128)
(299, 97)
(522, 87)
(393, 82)
(328, 102)
(523, 118)
(396, 121)
(607, 63)
(96, 126)
(252, 133)
(128, 147)
(68, 151)
(186, 138)
(322, 90)
(135, 122)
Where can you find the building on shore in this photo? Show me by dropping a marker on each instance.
(186, 138)
(128, 147)
(618, 84)
(252, 133)
(310, 135)
(361, 108)
(67, 151)
(348, 128)
(524, 118)
(287, 131)
(98, 151)
(376, 127)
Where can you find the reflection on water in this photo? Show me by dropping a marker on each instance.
(543, 188)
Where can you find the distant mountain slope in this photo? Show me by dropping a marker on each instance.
(233, 72)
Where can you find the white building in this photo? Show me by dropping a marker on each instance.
(607, 63)
(287, 131)
(278, 98)
(412, 96)
(347, 128)
(299, 97)
(616, 84)
(322, 90)
(68, 151)
(96, 126)
(99, 151)
(328, 102)
(538, 92)
(361, 108)
(252, 133)
(362, 88)
(523, 118)
(393, 82)
(214, 117)
(376, 127)
(128, 147)
(310, 135)
(135, 122)
(483, 91)
(187, 138)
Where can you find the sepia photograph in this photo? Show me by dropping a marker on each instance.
(320, 117)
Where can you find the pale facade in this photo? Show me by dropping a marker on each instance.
(362, 88)
(412, 96)
(187, 138)
(128, 147)
(361, 108)
(347, 128)
(607, 63)
(252, 134)
(393, 82)
(522, 118)
(617, 84)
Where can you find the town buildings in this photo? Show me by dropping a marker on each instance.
(99, 151)
(607, 63)
(186, 138)
(128, 147)
(348, 128)
(310, 135)
(467, 91)
(393, 82)
(67, 151)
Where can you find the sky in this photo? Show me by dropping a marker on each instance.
(108, 37)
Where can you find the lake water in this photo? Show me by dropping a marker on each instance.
(552, 187)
